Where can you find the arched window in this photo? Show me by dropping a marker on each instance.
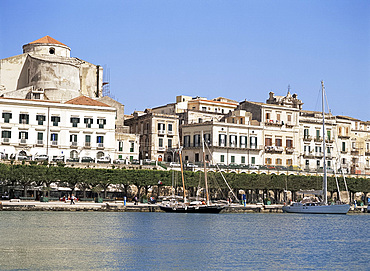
(73, 154)
(52, 51)
(99, 154)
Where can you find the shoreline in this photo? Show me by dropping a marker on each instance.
(118, 206)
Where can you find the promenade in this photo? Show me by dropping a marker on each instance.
(118, 206)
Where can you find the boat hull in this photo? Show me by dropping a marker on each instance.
(317, 209)
(192, 209)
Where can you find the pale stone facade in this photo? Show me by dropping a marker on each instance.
(73, 129)
(46, 71)
(158, 133)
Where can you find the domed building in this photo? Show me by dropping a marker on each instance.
(46, 71)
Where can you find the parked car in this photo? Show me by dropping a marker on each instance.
(135, 162)
(253, 167)
(119, 161)
(76, 160)
(296, 168)
(58, 158)
(191, 165)
(23, 157)
(41, 157)
(103, 159)
(174, 164)
(87, 159)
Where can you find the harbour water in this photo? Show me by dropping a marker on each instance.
(162, 241)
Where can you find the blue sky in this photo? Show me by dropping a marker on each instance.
(156, 50)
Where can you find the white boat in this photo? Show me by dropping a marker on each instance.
(319, 207)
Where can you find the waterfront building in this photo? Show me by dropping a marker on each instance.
(73, 129)
(234, 140)
(279, 119)
(158, 133)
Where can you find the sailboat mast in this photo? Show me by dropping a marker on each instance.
(205, 170)
(325, 179)
(182, 174)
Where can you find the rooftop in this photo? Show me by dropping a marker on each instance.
(47, 39)
(83, 100)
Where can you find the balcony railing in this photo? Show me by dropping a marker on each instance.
(171, 133)
(54, 143)
(40, 142)
(318, 138)
(87, 144)
(161, 148)
(161, 132)
(307, 138)
(101, 145)
(74, 144)
(289, 149)
(6, 140)
(23, 141)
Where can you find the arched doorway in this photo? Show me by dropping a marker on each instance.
(160, 158)
(99, 155)
(73, 154)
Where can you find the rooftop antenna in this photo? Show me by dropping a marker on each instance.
(288, 89)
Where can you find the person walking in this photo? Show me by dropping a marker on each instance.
(72, 199)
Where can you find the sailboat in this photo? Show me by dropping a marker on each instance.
(319, 207)
(196, 206)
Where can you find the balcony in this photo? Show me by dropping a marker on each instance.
(307, 138)
(161, 149)
(87, 145)
(308, 155)
(367, 153)
(74, 144)
(171, 133)
(330, 140)
(23, 141)
(161, 132)
(319, 154)
(355, 152)
(289, 149)
(54, 143)
(5, 140)
(344, 150)
(274, 123)
(100, 146)
(318, 139)
(40, 143)
(289, 124)
(344, 136)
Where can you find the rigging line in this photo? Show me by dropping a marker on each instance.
(223, 177)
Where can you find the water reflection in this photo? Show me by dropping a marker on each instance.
(162, 241)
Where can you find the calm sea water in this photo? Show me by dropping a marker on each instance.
(161, 241)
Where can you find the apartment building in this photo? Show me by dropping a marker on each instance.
(79, 127)
(158, 135)
(279, 119)
(235, 139)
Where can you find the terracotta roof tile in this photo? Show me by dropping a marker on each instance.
(83, 100)
(47, 39)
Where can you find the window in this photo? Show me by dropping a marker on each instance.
(75, 122)
(169, 143)
(318, 163)
(100, 139)
(101, 123)
(196, 142)
(267, 116)
(40, 138)
(132, 146)
(317, 134)
(73, 140)
(170, 127)
(268, 141)
(204, 108)
(187, 141)
(343, 146)
(161, 127)
(54, 139)
(222, 158)
(23, 136)
(243, 142)
(87, 140)
(253, 142)
(88, 122)
(160, 142)
(6, 135)
(278, 116)
(278, 142)
(55, 120)
(207, 139)
(328, 150)
(253, 160)
(40, 119)
(232, 159)
(24, 119)
(279, 161)
(222, 140)
(243, 160)
(289, 143)
(120, 146)
(289, 162)
(307, 162)
(306, 133)
(289, 118)
(328, 134)
(196, 157)
(7, 117)
(52, 51)
(268, 161)
(329, 164)
(233, 141)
